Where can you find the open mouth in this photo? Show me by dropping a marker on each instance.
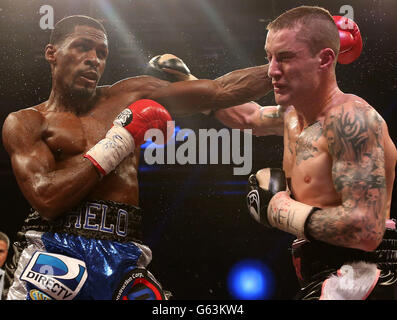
(277, 88)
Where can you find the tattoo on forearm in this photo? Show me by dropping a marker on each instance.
(265, 114)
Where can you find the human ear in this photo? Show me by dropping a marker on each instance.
(327, 58)
(49, 53)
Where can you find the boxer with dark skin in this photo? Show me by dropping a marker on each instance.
(47, 142)
(69, 155)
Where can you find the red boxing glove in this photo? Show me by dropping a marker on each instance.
(351, 43)
(128, 132)
(141, 116)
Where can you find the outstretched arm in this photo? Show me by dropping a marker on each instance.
(190, 97)
(262, 120)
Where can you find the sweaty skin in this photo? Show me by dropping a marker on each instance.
(344, 161)
(338, 153)
(46, 143)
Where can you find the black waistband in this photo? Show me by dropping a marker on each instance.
(99, 219)
(315, 258)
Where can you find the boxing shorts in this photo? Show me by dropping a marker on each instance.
(94, 252)
(327, 272)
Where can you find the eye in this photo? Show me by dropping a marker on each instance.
(101, 54)
(284, 57)
(82, 47)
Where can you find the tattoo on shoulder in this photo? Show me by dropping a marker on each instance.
(349, 132)
(354, 136)
(305, 147)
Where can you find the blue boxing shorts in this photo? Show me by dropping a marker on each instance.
(94, 252)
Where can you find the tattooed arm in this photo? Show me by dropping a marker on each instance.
(262, 120)
(354, 135)
(355, 144)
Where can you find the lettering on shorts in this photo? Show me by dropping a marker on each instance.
(137, 285)
(96, 218)
(58, 276)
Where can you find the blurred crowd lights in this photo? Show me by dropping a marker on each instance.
(251, 280)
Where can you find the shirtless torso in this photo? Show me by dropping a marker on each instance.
(47, 143)
(345, 160)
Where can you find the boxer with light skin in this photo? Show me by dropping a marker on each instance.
(294, 81)
(328, 136)
(335, 133)
(338, 163)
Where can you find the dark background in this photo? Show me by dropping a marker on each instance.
(195, 216)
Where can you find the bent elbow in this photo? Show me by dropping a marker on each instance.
(369, 239)
(47, 210)
(45, 203)
(369, 245)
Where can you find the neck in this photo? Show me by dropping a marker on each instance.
(63, 100)
(314, 105)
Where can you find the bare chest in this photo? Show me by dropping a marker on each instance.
(67, 135)
(307, 144)
(311, 166)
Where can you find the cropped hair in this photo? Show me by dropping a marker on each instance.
(66, 26)
(316, 25)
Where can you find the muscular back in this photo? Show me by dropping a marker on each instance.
(345, 158)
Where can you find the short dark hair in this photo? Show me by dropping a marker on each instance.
(66, 26)
(317, 25)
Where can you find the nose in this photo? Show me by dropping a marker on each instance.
(92, 59)
(274, 70)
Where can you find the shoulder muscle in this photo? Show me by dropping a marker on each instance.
(352, 130)
(21, 128)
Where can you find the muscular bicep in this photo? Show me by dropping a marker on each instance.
(30, 156)
(31, 162)
(49, 189)
(262, 120)
(268, 120)
(354, 137)
(187, 97)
